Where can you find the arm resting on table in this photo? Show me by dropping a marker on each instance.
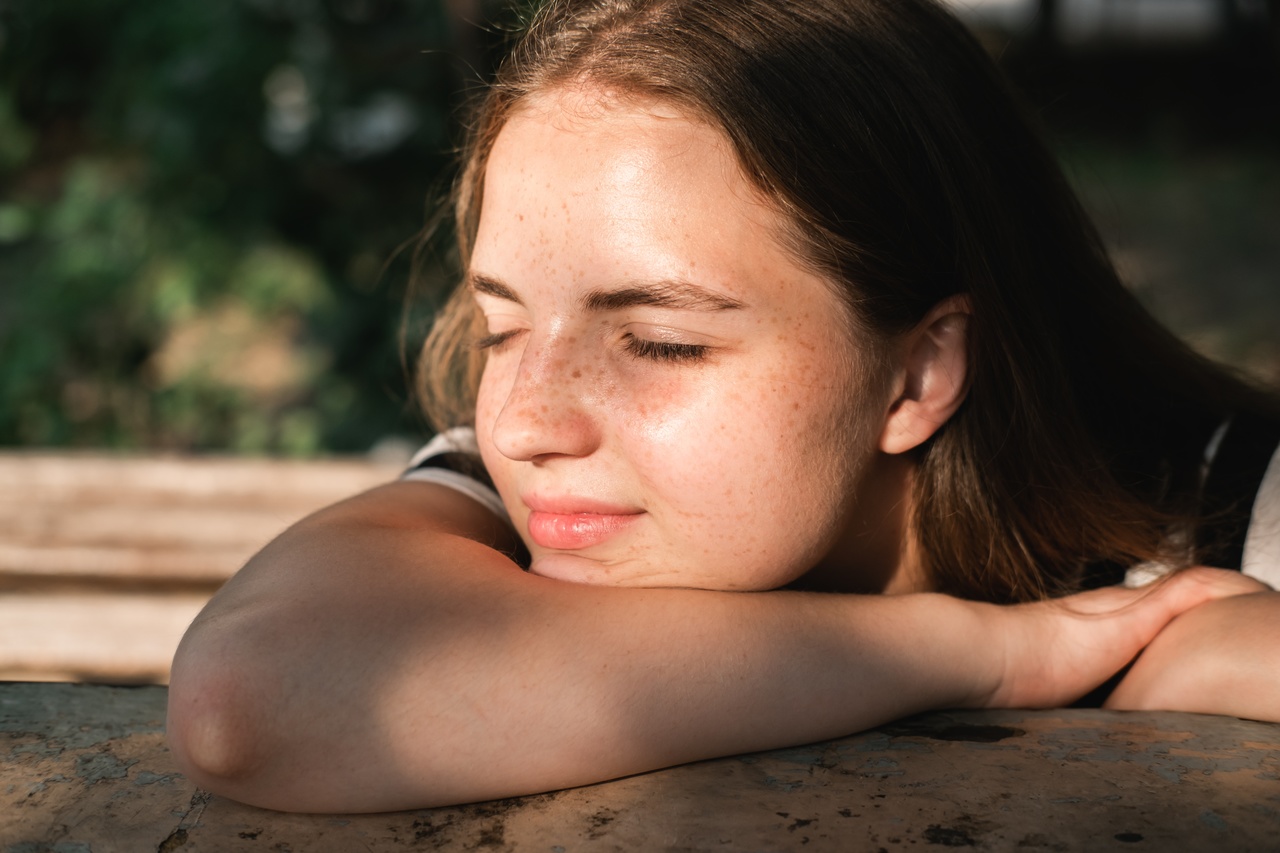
(377, 656)
(1222, 657)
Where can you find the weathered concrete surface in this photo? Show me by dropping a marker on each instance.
(84, 769)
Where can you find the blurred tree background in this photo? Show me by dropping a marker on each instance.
(201, 205)
(200, 210)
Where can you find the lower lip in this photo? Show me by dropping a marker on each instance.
(573, 531)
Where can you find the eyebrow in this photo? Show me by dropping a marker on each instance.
(662, 294)
(671, 293)
(492, 287)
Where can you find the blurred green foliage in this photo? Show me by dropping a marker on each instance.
(198, 201)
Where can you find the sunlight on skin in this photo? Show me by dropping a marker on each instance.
(658, 444)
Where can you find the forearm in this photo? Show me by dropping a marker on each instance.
(353, 669)
(1222, 657)
(376, 656)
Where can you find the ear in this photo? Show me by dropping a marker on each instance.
(931, 380)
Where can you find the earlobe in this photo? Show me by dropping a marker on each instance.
(932, 376)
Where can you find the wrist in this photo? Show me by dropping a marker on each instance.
(990, 639)
(954, 648)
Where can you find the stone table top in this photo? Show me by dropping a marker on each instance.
(85, 769)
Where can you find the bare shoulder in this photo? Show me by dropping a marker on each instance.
(420, 505)
(401, 532)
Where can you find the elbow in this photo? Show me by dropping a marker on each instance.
(212, 732)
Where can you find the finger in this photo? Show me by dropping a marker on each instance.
(1171, 594)
(1197, 585)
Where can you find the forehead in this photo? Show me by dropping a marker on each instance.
(596, 187)
(631, 137)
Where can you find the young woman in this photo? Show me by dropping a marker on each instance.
(803, 384)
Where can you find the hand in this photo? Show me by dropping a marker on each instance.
(1222, 657)
(1056, 651)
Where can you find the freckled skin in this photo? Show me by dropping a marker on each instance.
(736, 461)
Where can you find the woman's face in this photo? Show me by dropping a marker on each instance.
(669, 398)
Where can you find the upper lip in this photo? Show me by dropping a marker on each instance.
(575, 505)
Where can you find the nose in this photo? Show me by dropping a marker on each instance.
(549, 410)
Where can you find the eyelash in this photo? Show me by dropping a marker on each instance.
(495, 341)
(665, 351)
(638, 347)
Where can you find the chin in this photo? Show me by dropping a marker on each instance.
(576, 569)
(573, 568)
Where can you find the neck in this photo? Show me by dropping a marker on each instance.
(879, 552)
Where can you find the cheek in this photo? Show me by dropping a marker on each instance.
(761, 416)
(750, 470)
(677, 424)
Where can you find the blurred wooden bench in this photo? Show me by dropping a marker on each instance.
(105, 560)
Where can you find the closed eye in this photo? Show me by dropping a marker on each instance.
(495, 341)
(665, 350)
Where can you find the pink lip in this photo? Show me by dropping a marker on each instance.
(570, 524)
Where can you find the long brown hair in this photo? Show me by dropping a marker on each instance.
(891, 144)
